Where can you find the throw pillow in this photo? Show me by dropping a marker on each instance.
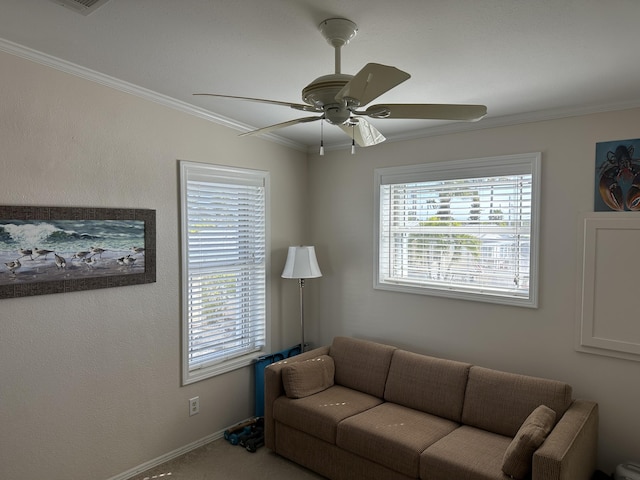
(518, 458)
(302, 379)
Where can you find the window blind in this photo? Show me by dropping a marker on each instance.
(460, 233)
(225, 274)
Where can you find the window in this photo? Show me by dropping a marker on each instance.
(224, 265)
(462, 229)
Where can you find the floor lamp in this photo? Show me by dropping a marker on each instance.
(301, 263)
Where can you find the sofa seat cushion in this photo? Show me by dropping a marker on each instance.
(319, 414)
(468, 453)
(432, 385)
(392, 435)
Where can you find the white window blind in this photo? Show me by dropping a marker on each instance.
(464, 229)
(224, 268)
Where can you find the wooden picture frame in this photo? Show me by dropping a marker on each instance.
(45, 250)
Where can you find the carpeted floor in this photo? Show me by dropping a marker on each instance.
(219, 460)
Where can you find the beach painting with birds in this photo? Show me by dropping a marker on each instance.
(43, 250)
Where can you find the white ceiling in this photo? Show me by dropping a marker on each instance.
(524, 59)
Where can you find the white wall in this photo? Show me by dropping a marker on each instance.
(90, 381)
(530, 341)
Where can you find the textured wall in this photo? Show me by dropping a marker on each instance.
(90, 381)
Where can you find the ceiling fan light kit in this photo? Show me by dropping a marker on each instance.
(338, 96)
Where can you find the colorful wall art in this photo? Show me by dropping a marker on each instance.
(617, 185)
(58, 249)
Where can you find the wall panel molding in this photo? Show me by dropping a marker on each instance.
(608, 322)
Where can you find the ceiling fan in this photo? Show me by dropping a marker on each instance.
(337, 97)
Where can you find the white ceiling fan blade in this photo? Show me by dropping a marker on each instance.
(363, 132)
(296, 106)
(371, 82)
(428, 111)
(281, 125)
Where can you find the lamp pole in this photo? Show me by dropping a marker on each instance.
(301, 283)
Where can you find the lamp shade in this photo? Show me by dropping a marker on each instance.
(301, 263)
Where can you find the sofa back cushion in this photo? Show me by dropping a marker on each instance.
(432, 385)
(361, 365)
(500, 402)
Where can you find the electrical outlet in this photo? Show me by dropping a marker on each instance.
(194, 406)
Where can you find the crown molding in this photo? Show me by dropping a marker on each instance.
(126, 87)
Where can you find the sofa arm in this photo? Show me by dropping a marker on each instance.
(569, 452)
(273, 388)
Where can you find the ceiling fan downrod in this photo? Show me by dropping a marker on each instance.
(323, 90)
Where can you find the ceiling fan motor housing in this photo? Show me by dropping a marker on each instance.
(321, 93)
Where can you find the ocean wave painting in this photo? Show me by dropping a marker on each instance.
(74, 250)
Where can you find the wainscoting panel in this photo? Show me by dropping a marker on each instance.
(608, 322)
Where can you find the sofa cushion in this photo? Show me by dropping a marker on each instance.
(392, 435)
(519, 455)
(301, 379)
(319, 414)
(500, 402)
(468, 453)
(361, 365)
(429, 384)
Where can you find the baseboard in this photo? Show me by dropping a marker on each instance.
(168, 456)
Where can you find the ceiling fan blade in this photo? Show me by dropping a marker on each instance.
(281, 125)
(363, 132)
(428, 111)
(371, 82)
(296, 106)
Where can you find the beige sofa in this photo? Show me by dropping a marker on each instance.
(363, 410)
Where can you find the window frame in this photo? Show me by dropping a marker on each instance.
(460, 169)
(233, 175)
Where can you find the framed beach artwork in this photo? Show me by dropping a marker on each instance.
(617, 185)
(46, 250)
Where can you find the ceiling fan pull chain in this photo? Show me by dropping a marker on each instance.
(353, 140)
(321, 137)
